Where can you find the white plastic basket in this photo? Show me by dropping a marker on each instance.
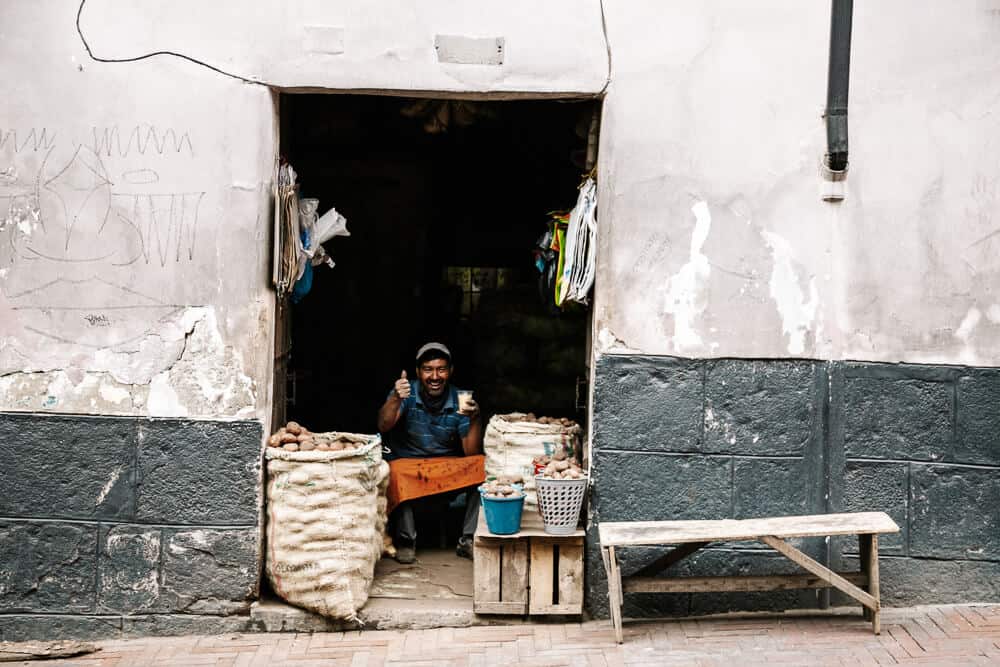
(559, 501)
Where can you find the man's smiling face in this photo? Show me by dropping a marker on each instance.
(434, 376)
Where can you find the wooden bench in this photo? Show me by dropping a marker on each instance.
(690, 536)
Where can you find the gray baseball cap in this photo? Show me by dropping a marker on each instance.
(434, 346)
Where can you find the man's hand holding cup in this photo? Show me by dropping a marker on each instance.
(467, 406)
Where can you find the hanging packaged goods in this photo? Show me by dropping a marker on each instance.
(299, 233)
(579, 256)
(566, 254)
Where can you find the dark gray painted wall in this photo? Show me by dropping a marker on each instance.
(124, 525)
(684, 439)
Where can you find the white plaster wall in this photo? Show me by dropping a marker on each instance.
(551, 47)
(134, 273)
(715, 241)
(135, 255)
(134, 265)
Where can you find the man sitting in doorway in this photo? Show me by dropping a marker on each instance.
(435, 448)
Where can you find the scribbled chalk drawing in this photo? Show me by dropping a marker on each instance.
(140, 139)
(76, 202)
(34, 140)
(140, 176)
(79, 210)
(91, 312)
(20, 156)
(166, 223)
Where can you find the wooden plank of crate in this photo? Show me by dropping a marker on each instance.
(742, 583)
(562, 575)
(509, 608)
(500, 574)
(540, 578)
(486, 575)
(571, 577)
(514, 568)
(531, 526)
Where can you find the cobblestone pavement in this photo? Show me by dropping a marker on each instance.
(944, 635)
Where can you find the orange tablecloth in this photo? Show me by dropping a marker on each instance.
(417, 478)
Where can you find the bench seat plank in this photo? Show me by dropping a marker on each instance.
(649, 533)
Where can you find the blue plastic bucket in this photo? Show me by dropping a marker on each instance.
(503, 515)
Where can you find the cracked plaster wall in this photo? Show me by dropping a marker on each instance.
(134, 230)
(716, 242)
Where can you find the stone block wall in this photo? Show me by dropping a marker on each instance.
(727, 438)
(121, 525)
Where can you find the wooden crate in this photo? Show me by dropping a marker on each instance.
(530, 572)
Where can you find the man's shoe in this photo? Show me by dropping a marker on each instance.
(406, 555)
(464, 548)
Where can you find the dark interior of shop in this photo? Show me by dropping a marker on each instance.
(444, 202)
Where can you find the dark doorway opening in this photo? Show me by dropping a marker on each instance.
(445, 201)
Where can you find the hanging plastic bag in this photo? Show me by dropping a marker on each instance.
(330, 224)
(580, 249)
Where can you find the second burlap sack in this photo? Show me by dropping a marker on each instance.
(510, 444)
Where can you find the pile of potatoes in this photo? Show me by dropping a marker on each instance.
(503, 487)
(294, 437)
(531, 418)
(559, 466)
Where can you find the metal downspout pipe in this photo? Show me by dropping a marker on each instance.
(837, 84)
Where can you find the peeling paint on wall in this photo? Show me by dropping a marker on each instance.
(797, 312)
(685, 290)
(608, 343)
(968, 325)
(184, 368)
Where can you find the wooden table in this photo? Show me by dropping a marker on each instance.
(690, 536)
(529, 572)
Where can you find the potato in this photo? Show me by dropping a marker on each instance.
(561, 465)
(293, 427)
(274, 441)
(288, 438)
(307, 445)
(560, 454)
(322, 447)
(336, 446)
(292, 446)
(302, 437)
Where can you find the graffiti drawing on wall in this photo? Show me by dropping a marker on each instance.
(86, 221)
(76, 210)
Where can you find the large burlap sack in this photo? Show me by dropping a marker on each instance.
(510, 445)
(325, 525)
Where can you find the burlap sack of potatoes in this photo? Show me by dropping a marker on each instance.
(510, 445)
(325, 527)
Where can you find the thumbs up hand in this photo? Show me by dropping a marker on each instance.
(402, 387)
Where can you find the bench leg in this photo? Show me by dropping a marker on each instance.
(615, 594)
(870, 565)
(825, 573)
(864, 548)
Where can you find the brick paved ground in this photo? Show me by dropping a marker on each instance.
(947, 635)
